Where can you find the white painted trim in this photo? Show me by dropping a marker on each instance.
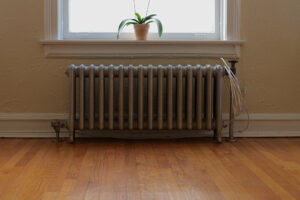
(233, 19)
(143, 42)
(54, 46)
(64, 134)
(52, 27)
(132, 48)
(31, 116)
(255, 134)
(31, 134)
(37, 125)
(266, 117)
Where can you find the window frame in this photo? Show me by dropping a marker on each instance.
(228, 45)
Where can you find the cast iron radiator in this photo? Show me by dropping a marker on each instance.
(146, 98)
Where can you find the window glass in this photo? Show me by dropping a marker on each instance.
(177, 16)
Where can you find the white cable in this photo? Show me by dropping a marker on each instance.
(238, 100)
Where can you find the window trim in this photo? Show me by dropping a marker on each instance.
(228, 45)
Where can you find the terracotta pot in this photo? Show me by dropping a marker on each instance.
(141, 31)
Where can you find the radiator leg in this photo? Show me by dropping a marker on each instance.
(231, 112)
(72, 135)
(215, 134)
(215, 137)
(218, 136)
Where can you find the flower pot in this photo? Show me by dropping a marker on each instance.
(141, 31)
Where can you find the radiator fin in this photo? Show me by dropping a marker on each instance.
(140, 98)
(209, 97)
(189, 98)
(150, 98)
(82, 94)
(179, 98)
(160, 97)
(111, 98)
(91, 98)
(101, 98)
(170, 98)
(121, 98)
(130, 98)
(199, 88)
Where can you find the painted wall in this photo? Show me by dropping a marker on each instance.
(269, 68)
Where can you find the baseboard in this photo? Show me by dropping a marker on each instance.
(33, 125)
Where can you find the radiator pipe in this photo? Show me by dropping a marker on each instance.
(231, 112)
(175, 70)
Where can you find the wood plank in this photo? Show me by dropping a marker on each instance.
(254, 168)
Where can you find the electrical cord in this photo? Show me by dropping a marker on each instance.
(238, 101)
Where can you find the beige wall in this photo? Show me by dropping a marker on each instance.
(269, 68)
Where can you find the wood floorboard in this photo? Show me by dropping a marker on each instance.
(251, 168)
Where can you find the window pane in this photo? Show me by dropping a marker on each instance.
(185, 16)
(98, 15)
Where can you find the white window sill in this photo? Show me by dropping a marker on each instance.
(133, 48)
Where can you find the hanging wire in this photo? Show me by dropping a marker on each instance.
(238, 101)
(134, 6)
(148, 8)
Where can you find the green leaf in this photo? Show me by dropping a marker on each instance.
(148, 18)
(149, 22)
(135, 21)
(159, 27)
(121, 26)
(129, 23)
(139, 17)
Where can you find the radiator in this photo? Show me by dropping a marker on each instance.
(152, 98)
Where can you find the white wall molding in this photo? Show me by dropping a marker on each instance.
(31, 116)
(266, 117)
(37, 125)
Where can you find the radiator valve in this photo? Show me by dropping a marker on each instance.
(57, 125)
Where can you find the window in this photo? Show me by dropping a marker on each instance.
(192, 28)
(99, 19)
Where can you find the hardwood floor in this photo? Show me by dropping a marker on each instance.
(155, 169)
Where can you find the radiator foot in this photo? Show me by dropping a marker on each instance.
(71, 140)
(231, 139)
(217, 137)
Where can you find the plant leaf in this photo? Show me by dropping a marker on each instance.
(159, 27)
(129, 23)
(121, 26)
(139, 17)
(149, 22)
(135, 20)
(148, 18)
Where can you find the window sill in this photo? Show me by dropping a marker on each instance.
(133, 48)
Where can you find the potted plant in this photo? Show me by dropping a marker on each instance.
(141, 25)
